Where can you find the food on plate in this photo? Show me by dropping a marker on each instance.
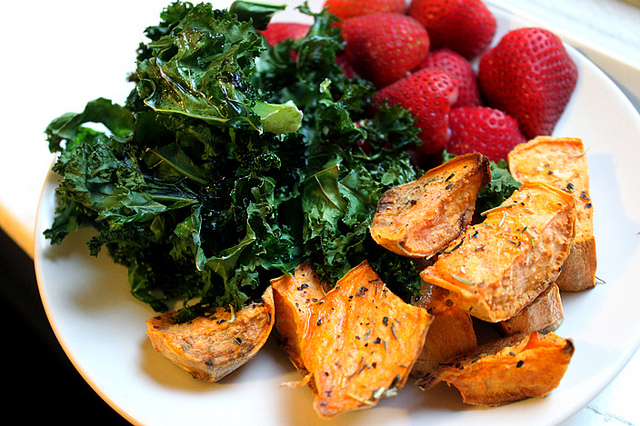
(360, 343)
(293, 295)
(461, 69)
(429, 94)
(500, 265)
(215, 344)
(305, 176)
(530, 76)
(465, 26)
(202, 187)
(544, 314)
(384, 47)
(562, 162)
(526, 365)
(419, 218)
(483, 129)
(450, 334)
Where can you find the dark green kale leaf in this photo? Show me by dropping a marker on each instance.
(180, 194)
(116, 190)
(353, 155)
(502, 185)
(231, 163)
(258, 13)
(199, 68)
(117, 119)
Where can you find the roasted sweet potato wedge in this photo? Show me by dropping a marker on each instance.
(450, 334)
(420, 218)
(293, 294)
(361, 343)
(499, 266)
(562, 163)
(508, 370)
(214, 345)
(545, 314)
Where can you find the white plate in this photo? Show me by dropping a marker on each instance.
(101, 327)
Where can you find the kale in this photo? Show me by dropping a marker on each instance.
(232, 162)
(501, 186)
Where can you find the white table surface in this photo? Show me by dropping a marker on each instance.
(42, 38)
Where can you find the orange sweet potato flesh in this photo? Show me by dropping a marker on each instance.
(499, 266)
(419, 218)
(293, 295)
(545, 314)
(450, 334)
(361, 343)
(212, 346)
(508, 370)
(562, 163)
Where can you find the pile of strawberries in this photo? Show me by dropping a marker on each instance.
(420, 56)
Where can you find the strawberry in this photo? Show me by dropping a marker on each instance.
(344, 63)
(459, 68)
(483, 129)
(530, 76)
(428, 94)
(280, 31)
(465, 26)
(345, 9)
(384, 47)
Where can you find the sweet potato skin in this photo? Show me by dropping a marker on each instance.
(511, 369)
(450, 334)
(361, 343)
(497, 267)
(212, 346)
(562, 163)
(545, 314)
(419, 218)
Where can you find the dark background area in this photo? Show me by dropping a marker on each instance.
(40, 381)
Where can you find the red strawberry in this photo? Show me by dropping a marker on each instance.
(344, 63)
(428, 94)
(483, 129)
(459, 68)
(345, 9)
(384, 47)
(465, 26)
(530, 76)
(280, 31)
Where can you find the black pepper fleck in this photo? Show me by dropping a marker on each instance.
(362, 291)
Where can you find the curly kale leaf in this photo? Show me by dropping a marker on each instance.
(502, 185)
(202, 186)
(199, 68)
(66, 128)
(352, 156)
(258, 13)
(100, 175)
